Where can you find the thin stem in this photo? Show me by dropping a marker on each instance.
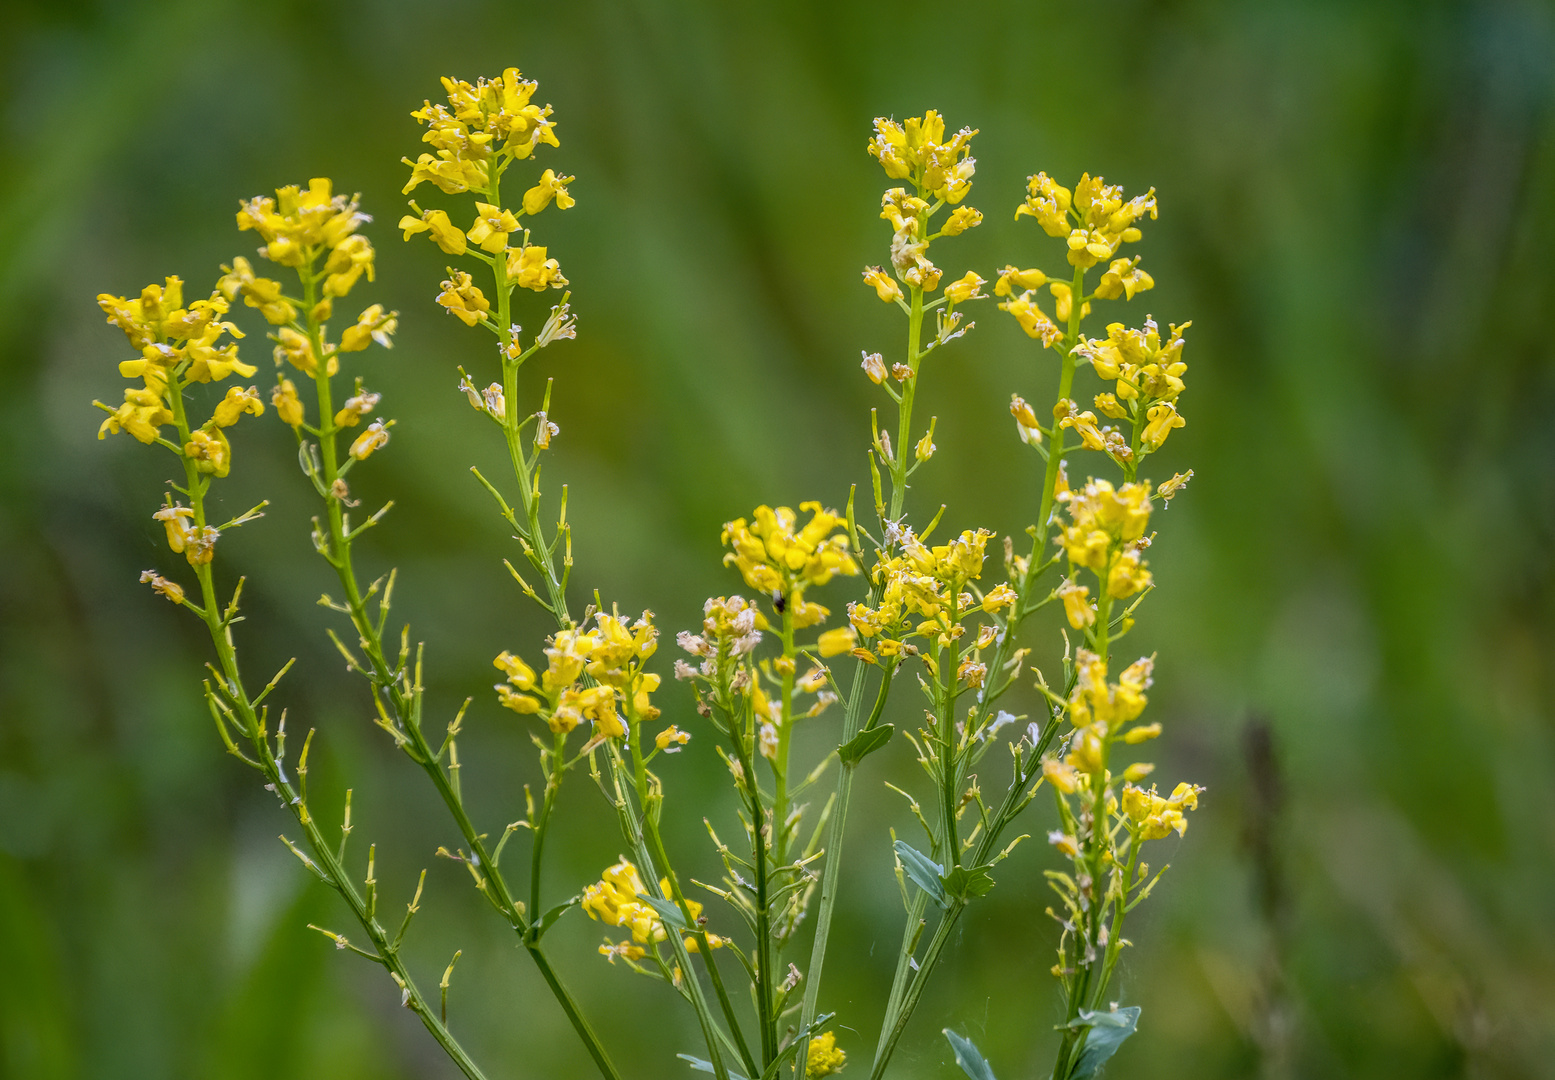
(242, 704)
(392, 686)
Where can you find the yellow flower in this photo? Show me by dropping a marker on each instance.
(1026, 425)
(179, 523)
(961, 219)
(295, 348)
(838, 641)
(1033, 320)
(1163, 418)
(1011, 279)
(210, 451)
(1107, 405)
(351, 258)
(775, 557)
(519, 673)
(822, 1058)
(142, 415)
(356, 406)
(443, 232)
(626, 950)
(371, 325)
(523, 704)
(463, 298)
(1048, 202)
(1066, 844)
(1061, 775)
(491, 228)
(874, 367)
(1084, 424)
(1077, 605)
(964, 289)
(1123, 278)
(288, 406)
(1128, 575)
(1064, 309)
(550, 187)
(258, 292)
(999, 597)
(163, 587)
(235, 404)
(671, 739)
(884, 285)
(374, 438)
(529, 268)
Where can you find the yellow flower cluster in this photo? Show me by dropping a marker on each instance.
(298, 226)
(1105, 535)
(780, 559)
(491, 116)
(611, 656)
(1094, 218)
(1096, 221)
(926, 583)
(177, 345)
(615, 899)
(940, 171)
(823, 1057)
(1101, 712)
(1148, 373)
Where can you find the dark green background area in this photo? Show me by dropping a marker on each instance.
(1358, 206)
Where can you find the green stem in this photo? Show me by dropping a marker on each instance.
(389, 684)
(236, 693)
(904, 410)
(830, 878)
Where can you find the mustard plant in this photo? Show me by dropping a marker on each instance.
(727, 943)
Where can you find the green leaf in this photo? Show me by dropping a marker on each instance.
(865, 743)
(966, 884)
(924, 871)
(1106, 1033)
(668, 910)
(971, 1062)
(548, 920)
(707, 1066)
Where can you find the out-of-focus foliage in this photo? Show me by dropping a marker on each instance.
(1358, 211)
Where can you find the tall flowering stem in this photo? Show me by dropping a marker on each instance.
(484, 129)
(178, 350)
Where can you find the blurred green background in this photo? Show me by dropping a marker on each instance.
(1358, 206)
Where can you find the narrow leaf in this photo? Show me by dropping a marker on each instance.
(548, 920)
(972, 1063)
(865, 743)
(1106, 1033)
(699, 1065)
(963, 883)
(924, 872)
(668, 911)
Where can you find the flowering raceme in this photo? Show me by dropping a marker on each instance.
(759, 669)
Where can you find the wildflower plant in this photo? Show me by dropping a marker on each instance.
(838, 610)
